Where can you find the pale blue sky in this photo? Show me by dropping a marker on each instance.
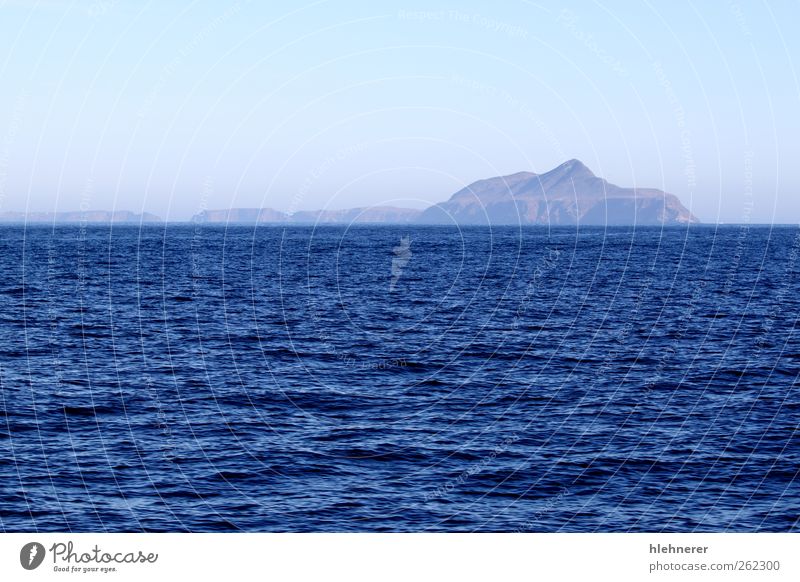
(172, 107)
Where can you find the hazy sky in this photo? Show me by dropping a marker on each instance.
(172, 107)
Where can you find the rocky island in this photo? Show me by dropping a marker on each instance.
(567, 195)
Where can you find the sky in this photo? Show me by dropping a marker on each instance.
(176, 107)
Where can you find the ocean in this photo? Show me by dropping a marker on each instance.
(399, 378)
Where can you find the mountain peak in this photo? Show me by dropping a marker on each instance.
(572, 168)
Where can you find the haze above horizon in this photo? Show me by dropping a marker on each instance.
(173, 108)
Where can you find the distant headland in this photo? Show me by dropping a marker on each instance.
(78, 216)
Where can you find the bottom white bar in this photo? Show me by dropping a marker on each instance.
(372, 557)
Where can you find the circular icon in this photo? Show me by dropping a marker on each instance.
(31, 555)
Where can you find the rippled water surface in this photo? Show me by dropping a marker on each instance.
(296, 379)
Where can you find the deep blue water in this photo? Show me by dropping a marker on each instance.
(188, 378)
